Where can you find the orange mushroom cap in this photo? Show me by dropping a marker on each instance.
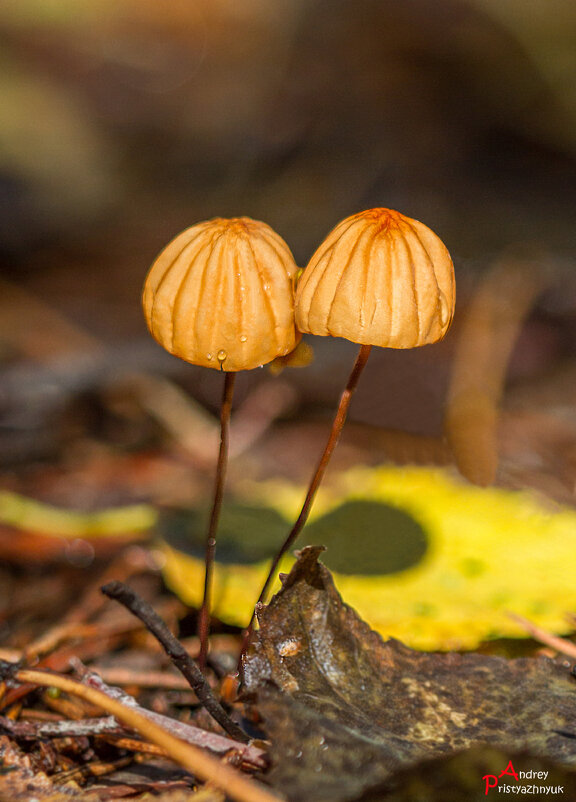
(221, 295)
(379, 278)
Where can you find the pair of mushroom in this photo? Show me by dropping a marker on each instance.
(222, 294)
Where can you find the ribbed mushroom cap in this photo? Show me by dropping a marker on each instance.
(221, 295)
(379, 278)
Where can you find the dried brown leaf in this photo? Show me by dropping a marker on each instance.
(461, 778)
(346, 711)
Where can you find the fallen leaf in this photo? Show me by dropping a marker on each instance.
(345, 710)
(423, 556)
(463, 778)
(25, 513)
(33, 531)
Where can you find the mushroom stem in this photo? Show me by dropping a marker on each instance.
(204, 618)
(335, 432)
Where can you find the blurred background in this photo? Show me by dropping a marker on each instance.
(124, 121)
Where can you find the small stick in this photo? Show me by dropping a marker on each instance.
(204, 618)
(553, 641)
(202, 765)
(142, 679)
(186, 732)
(177, 653)
(335, 432)
(133, 745)
(61, 728)
(96, 769)
(55, 726)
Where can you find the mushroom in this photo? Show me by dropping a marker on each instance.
(379, 278)
(221, 295)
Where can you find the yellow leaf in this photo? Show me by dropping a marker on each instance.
(422, 556)
(44, 519)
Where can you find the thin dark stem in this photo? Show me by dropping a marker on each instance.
(204, 618)
(176, 652)
(333, 439)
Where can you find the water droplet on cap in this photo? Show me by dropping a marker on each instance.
(208, 356)
(243, 338)
(221, 355)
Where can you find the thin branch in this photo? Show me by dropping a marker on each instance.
(61, 728)
(553, 641)
(184, 731)
(177, 653)
(202, 765)
(142, 679)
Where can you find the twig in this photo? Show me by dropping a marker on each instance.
(558, 644)
(186, 732)
(190, 757)
(109, 634)
(61, 728)
(95, 769)
(143, 679)
(59, 634)
(132, 744)
(177, 653)
(75, 624)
